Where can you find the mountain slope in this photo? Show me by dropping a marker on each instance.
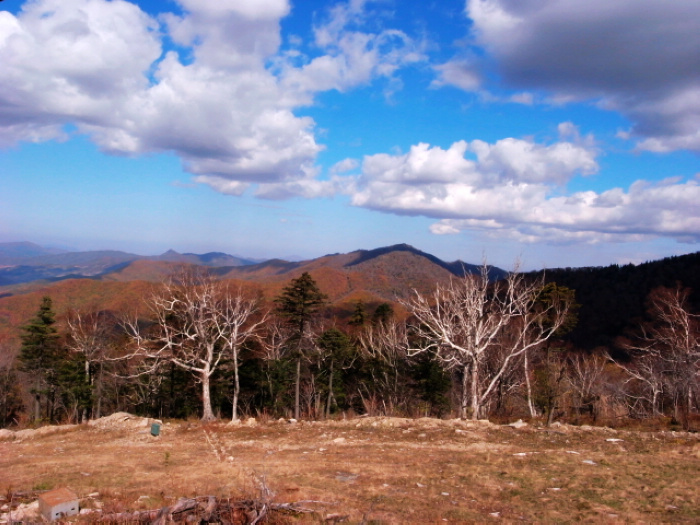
(12, 253)
(27, 262)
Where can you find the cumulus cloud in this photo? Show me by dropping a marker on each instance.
(638, 57)
(516, 188)
(221, 107)
(350, 55)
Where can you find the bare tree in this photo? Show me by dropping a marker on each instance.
(197, 321)
(384, 345)
(89, 335)
(666, 351)
(471, 320)
(241, 319)
(584, 378)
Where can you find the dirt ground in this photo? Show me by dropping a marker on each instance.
(366, 470)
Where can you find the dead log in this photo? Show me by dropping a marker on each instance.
(209, 509)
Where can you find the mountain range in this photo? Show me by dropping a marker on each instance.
(23, 262)
(612, 299)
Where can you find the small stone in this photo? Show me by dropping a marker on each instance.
(495, 514)
(420, 485)
(589, 462)
(339, 440)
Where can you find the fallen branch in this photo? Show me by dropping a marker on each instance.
(209, 509)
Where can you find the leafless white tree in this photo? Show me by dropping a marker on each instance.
(241, 318)
(666, 352)
(471, 319)
(384, 343)
(89, 335)
(197, 322)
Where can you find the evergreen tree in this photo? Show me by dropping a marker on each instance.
(383, 313)
(299, 302)
(358, 316)
(10, 397)
(39, 357)
(336, 354)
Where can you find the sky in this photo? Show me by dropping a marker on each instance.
(554, 132)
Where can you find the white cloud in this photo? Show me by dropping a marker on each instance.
(222, 108)
(516, 188)
(352, 56)
(638, 57)
(70, 60)
(460, 73)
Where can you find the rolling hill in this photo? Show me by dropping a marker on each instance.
(372, 276)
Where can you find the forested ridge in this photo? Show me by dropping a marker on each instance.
(613, 298)
(602, 345)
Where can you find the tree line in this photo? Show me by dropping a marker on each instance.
(476, 347)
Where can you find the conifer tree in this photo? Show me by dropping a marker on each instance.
(298, 304)
(39, 357)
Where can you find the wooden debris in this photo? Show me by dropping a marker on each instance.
(209, 509)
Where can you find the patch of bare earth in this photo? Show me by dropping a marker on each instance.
(382, 470)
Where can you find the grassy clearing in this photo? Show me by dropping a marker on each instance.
(379, 470)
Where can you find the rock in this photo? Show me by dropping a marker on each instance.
(518, 424)
(339, 440)
(251, 422)
(26, 512)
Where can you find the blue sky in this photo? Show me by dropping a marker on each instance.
(560, 132)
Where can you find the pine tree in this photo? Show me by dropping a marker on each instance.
(39, 357)
(298, 304)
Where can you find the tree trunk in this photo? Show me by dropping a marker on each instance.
(530, 404)
(236, 385)
(207, 412)
(296, 389)
(465, 392)
(37, 407)
(475, 390)
(330, 391)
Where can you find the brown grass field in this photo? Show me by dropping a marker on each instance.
(371, 470)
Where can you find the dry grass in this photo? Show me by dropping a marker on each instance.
(377, 470)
